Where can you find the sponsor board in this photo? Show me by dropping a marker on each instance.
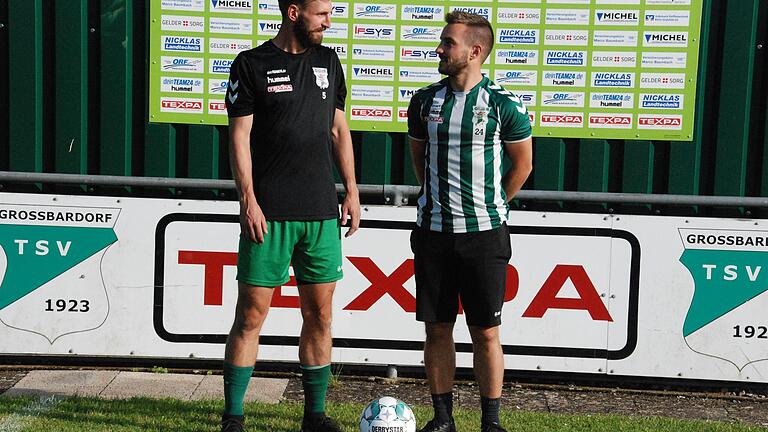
(581, 2)
(269, 7)
(183, 5)
(232, 6)
(181, 105)
(217, 86)
(373, 73)
(566, 37)
(182, 23)
(228, 46)
(230, 25)
(341, 49)
(660, 121)
(565, 58)
(373, 52)
(563, 79)
(337, 31)
(418, 74)
(618, 2)
(371, 93)
(219, 66)
(520, 1)
(665, 39)
(524, 57)
(517, 36)
(420, 33)
(614, 38)
(181, 85)
(181, 64)
(612, 100)
(516, 78)
(610, 120)
(624, 59)
(373, 32)
(661, 101)
(668, 2)
(339, 10)
(528, 97)
(518, 16)
(668, 18)
(419, 54)
(402, 114)
(532, 117)
(376, 11)
(217, 107)
(617, 17)
(654, 59)
(268, 27)
(613, 79)
(567, 17)
(561, 119)
(422, 13)
(662, 80)
(484, 12)
(404, 94)
(371, 113)
(562, 99)
(182, 43)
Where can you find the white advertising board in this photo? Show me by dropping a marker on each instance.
(644, 296)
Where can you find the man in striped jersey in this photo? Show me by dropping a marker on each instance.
(460, 129)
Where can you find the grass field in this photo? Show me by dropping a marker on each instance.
(96, 415)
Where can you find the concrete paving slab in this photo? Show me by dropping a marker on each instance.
(61, 383)
(265, 390)
(152, 385)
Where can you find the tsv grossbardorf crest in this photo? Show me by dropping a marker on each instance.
(52, 283)
(730, 290)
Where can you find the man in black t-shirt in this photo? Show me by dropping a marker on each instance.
(286, 116)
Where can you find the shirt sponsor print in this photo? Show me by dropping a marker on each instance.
(404, 94)
(612, 100)
(418, 74)
(337, 31)
(661, 101)
(217, 107)
(219, 66)
(184, 5)
(512, 57)
(181, 105)
(181, 64)
(518, 36)
(614, 59)
(373, 73)
(228, 46)
(563, 79)
(654, 59)
(565, 58)
(419, 54)
(269, 27)
(232, 6)
(181, 85)
(665, 39)
(566, 37)
(518, 16)
(372, 93)
(613, 79)
(617, 17)
(182, 23)
(268, 7)
(669, 18)
(422, 13)
(512, 78)
(562, 99)
(217, 86)
(340, 10)
(420, 33)
(610, 120)
(341, 49)
(230, 25)
(662, 80)
(561, 119)
(375, 11)
(373, 52)
(567, 16)
(660, 121)
(372, 113)
(484, 12)
(182, 43)
(614, 38)
(373, 31)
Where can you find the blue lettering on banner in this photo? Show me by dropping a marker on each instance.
(220, 66)
(182, 43)
(406, 93)
(483, 12)
(660, 101)
(565, 58)
(518, 36)
(612, 79)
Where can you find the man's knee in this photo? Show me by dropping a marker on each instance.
(437, 332)
(484, 336)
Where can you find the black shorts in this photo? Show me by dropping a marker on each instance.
(472, 266)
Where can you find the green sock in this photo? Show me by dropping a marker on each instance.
(235, 384)
(315, 382)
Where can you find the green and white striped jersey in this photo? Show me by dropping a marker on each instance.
(464, 133)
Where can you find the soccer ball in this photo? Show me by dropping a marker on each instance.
(387, 414)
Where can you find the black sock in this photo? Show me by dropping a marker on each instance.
(490, 409)
(443, 404)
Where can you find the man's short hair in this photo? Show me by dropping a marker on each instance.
(285, 3)
(481, 30)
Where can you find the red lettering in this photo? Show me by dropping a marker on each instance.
(382, 284)
(588, 299)
(213, 264)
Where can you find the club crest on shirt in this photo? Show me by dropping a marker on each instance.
(321, 77)
(480, 114)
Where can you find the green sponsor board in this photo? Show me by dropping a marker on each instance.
(613, 69)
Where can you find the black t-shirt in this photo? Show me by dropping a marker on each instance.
(293, 99)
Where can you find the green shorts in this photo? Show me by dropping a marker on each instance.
(313, 248)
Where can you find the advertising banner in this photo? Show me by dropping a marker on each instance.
(612, 69)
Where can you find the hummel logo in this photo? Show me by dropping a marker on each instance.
(338, 269)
